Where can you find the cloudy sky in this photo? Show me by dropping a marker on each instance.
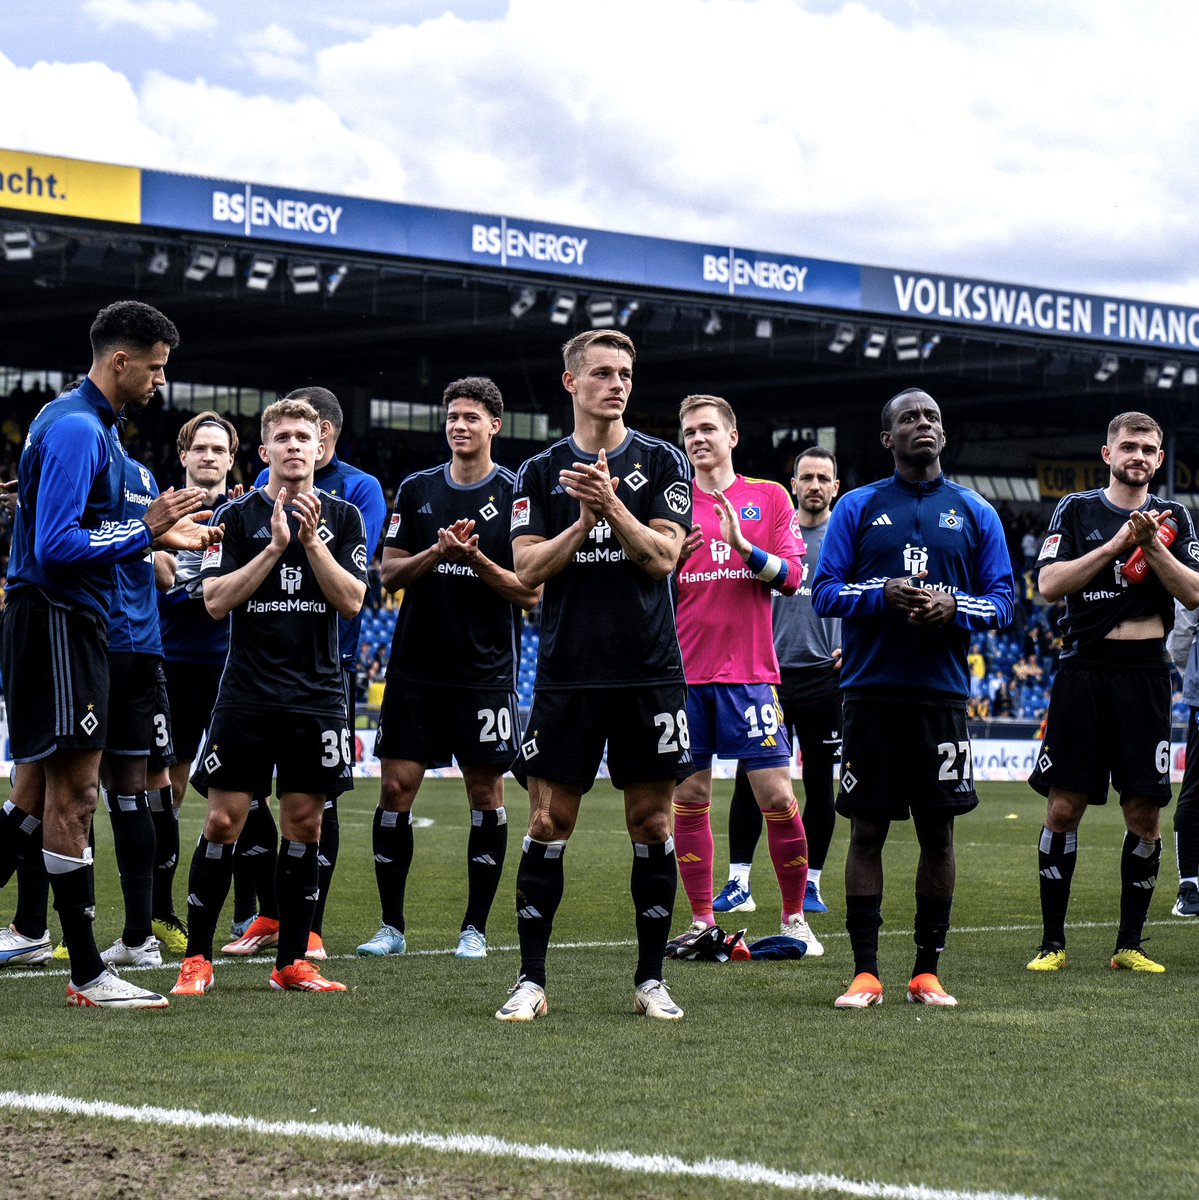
(1049, 142)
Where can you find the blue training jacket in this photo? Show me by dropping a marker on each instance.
(70, 527)
(895, 528)
(365, 493)
(133, 615)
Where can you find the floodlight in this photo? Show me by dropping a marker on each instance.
(524, 301)
(876, 339)
(261, 272)
(305, 278)
(18, 245)
(203, 260)
(842, 339)
(562, 307)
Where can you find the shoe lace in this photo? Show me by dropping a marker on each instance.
(193, 969)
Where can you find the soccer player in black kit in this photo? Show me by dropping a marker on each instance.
(294, 561)
(1109, 710)
(599, 518)
(451, 679)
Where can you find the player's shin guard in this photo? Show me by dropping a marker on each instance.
(653, 885)
(1139, 864)
(326, 860)
(789, 853)
(72, 886)
(166, 853)
(863, 919)
(207, 888)
(296, 881)
(133, 842)
(745, 822)
(695, 851)
(486, 846)
(539, 886)
(391, 838)
(1057, 858)
(932, 928)
(254, 866)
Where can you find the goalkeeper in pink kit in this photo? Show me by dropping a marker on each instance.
(745, 542)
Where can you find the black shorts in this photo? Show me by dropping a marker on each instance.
(811, 700)
(162, 755)
(191, 693)
(1109, 718)
(645, 729)
(309, 752)
(132, 702)
(428, 723)
(55, 667)
(904, 754)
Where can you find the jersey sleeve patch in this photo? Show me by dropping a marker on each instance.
(1050, 548)
(393, 526)
(521, 512)
(212, 557)
(677, 497)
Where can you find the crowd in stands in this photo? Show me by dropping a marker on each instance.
(1011, 670)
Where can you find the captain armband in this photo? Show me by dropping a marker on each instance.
(769, 568)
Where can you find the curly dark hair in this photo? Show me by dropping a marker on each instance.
(477, 388)
(131, 324)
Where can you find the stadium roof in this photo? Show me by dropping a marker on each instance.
(273, 287)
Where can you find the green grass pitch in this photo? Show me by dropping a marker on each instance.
(1074, 1085)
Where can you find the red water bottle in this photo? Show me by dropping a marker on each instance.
(1136, 569)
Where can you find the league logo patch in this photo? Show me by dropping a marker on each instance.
(750, 512)
(488, 511)
(521, 514)
(949, 520)
(1050, 548)
(212, 557)
(393, 526)
(636, 480)
(678, 498)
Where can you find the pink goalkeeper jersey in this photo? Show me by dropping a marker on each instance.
(725, 627)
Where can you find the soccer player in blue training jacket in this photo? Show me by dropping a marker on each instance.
(913, 565)
(70, 531)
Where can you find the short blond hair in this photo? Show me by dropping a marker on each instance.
(721, 405)
(575, 351)
(286, 409)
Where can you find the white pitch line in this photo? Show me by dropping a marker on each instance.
(446, 952)
(485, 1145)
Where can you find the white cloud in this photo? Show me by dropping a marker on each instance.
(275, 53)
(162, 19)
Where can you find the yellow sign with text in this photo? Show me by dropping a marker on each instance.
(69, 187)
(1060, 477)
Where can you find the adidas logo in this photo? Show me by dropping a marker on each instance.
(426, 508)
(528, 913)
(484, 860)
(1051, 873)
(690, 858)
(1094, 536)
(883, 520)
(797, 862)
(382, 858)
(1147, 884)
(264, 534)
(251, 851)
(194, 901)
(657, 912)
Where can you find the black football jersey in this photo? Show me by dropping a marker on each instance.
(453, 629)
(605, 622)
(1082, 522)
(283, 651)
